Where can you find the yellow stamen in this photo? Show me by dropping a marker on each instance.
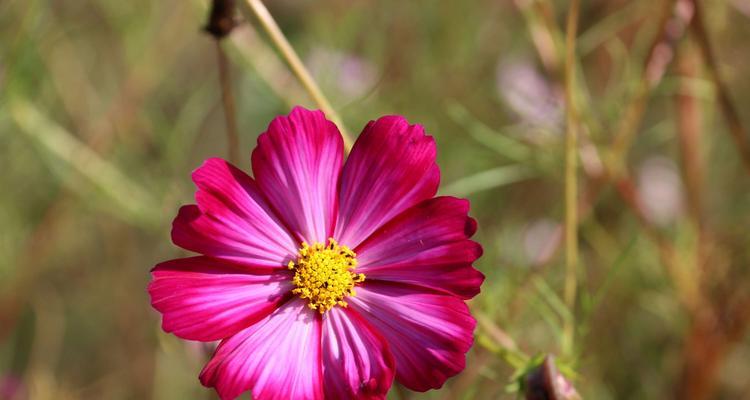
(323, 275)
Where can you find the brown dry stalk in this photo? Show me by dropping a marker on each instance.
(689, 122)
(717, 323)
(221, 22)
(672, 24)
(726, 105)
(227, 99)
(714, 330)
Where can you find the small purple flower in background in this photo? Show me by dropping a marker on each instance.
(324, 279)
(660, 190)
(540, 238)
(530, 96)
(349, 76)
(12, 388)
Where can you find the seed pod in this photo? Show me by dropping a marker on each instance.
(547, 383)
(221, 19)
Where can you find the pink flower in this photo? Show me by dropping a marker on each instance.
(324, 279)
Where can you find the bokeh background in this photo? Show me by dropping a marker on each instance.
(107, 106)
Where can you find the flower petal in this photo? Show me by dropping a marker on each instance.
(391, 168)
(208, 299)
(356, 361)
(428, 332)
(297, 165)
(426, 245)
(278, 358)
(231, 220)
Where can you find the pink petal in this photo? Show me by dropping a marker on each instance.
(208, 299)
(428, 332)
(278, 358)
(297, 165)
(426, 245)
(231, 220)
(391, 168)
(356, 361)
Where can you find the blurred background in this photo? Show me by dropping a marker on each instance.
(107, 106)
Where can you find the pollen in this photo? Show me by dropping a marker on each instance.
(323, 274)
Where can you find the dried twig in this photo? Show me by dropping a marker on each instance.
(221, 21)
(689, 135)
(728, 109)
(672, 25)
(227, 99)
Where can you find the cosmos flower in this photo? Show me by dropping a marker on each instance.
(324, 279)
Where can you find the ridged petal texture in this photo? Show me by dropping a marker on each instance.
(408, 320)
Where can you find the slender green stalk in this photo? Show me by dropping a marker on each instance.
(498, 342)
(133, 199)
(571, 178)
(257, 8)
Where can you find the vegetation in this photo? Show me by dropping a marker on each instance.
(631, 130)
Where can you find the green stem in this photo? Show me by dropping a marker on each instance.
(571, 179)
(257, 8)
(498, 342)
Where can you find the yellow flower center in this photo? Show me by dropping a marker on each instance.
(323, 275)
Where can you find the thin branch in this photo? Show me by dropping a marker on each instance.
(656, 62)
(257, 54)
(260, 11)
(220, 24)
(736, 129)
(571, 177)
(671, 28)
(689, 120)
(227, 99)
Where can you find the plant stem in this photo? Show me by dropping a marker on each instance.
(630, 119)
(726, 105)
(571, 178)
(260, 11)
(654, 67)
(498, 342)
(227, 99)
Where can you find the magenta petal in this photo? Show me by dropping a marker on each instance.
(231, 220)
(426, 245)
(356, 361)
(297, 165)
(278, 358)
(428, 332)
(391, 168)
(209, 299)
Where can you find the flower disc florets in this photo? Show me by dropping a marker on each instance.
(323, 274)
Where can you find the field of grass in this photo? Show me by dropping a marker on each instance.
(107, 106)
